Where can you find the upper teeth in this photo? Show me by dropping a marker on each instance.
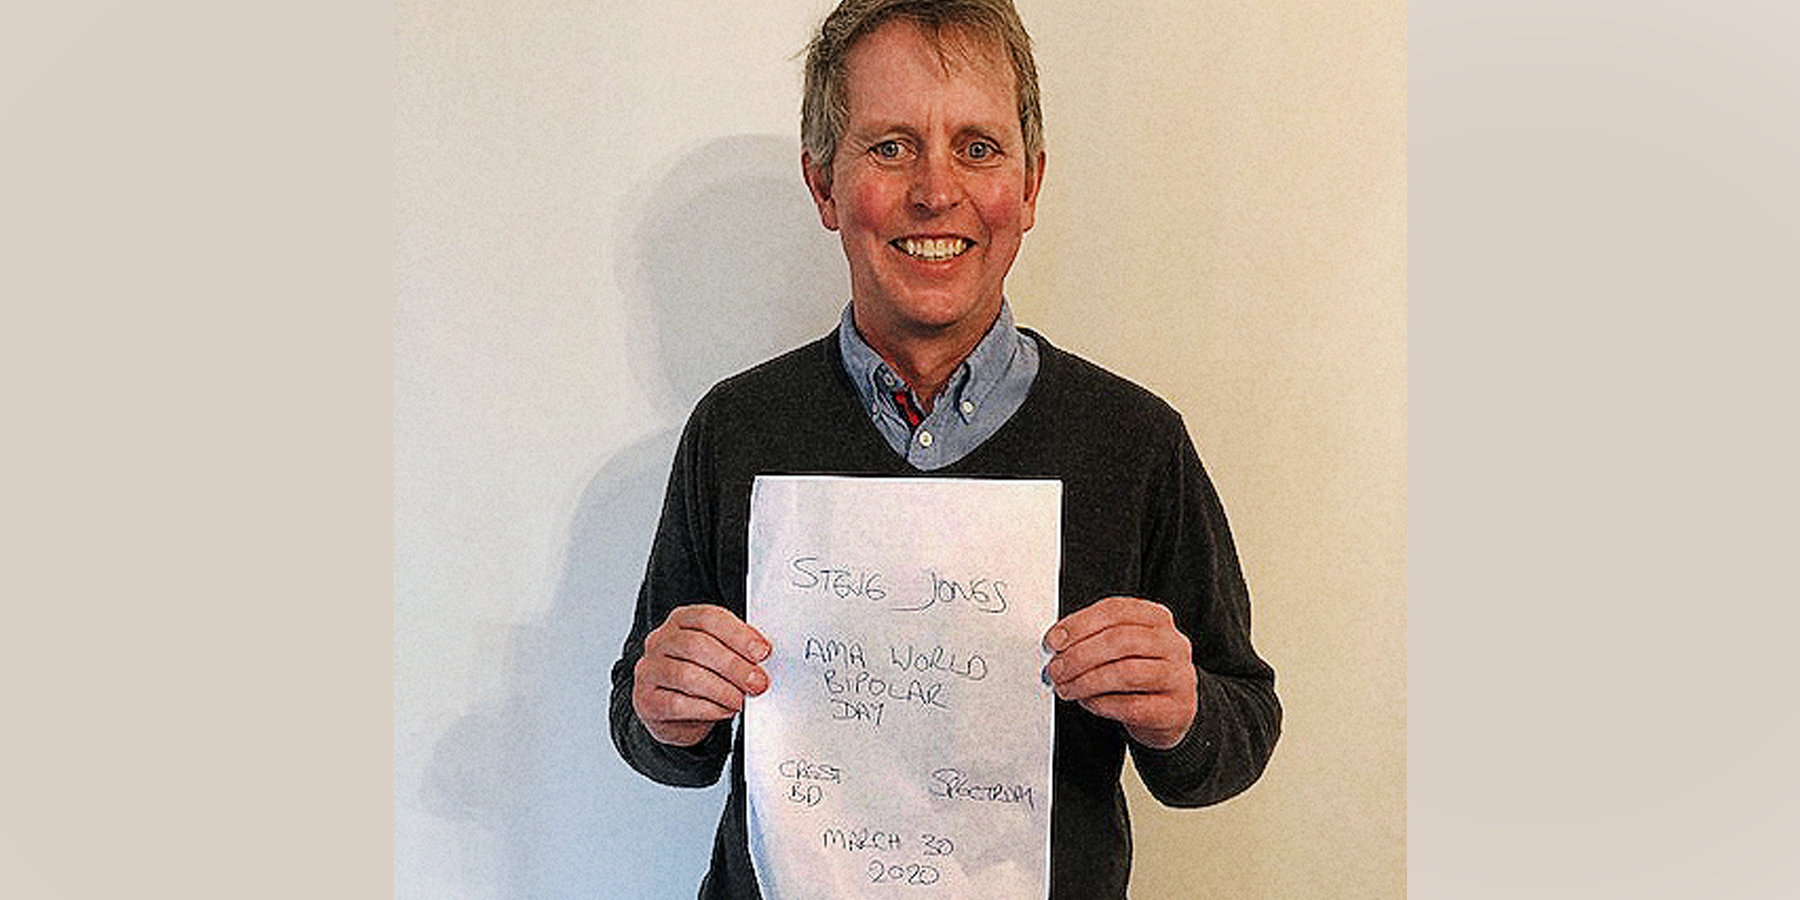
(934, 248)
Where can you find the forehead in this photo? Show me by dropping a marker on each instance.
(898, 62)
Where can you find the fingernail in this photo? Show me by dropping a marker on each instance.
(760, 650)
(758, 682)
(1057, 637)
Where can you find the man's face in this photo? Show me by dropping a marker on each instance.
(929, 190)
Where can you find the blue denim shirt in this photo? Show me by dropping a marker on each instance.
(983, 392)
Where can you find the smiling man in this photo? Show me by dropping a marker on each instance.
(932, 186)
(923, 150)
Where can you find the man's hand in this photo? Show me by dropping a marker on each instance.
(1123, 658)
(696, 669)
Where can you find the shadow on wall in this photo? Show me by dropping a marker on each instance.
(723, 264)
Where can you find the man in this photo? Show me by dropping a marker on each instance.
(923, 150)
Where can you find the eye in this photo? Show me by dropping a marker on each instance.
(889, 149)
(981, 151)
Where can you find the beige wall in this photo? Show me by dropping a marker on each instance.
(599, 211)
(1225, 221)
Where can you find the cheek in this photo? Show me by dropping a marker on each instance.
(1002, 206)
(1003, 214)
(866, 206)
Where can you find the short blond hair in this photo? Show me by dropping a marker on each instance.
(825, 107)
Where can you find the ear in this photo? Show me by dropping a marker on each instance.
(818, 183)
(1033, 182)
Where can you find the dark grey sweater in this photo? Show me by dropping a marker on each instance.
(1140, 518)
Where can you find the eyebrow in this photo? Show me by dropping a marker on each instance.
(879, 132)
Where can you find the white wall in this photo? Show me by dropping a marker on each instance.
(599, 213)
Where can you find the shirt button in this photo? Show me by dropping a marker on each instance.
(924, 438)
(887, 378)
(968, 407)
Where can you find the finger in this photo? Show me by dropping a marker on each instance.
(1128, 676)
(1156, 700)
(678, 676)
(1119, 642)
(724, 626)
(675, 718)
(695, 638)
(704, 652)
(659, 706)
(1104, 614)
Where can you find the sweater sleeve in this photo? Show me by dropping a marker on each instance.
(1191, 566)
(679, 572)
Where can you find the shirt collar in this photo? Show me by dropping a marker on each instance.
(976, 377)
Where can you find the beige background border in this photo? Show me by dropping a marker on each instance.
(196, 269)
(1601, 446)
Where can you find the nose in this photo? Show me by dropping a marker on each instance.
(935, 186)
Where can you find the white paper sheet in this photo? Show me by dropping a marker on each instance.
(903, 747)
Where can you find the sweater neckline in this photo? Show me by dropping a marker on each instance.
(1049, 363)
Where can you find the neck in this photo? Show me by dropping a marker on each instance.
(924, 361)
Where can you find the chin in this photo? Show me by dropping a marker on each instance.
(938, 317)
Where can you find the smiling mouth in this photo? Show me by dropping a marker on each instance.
(933, 249)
